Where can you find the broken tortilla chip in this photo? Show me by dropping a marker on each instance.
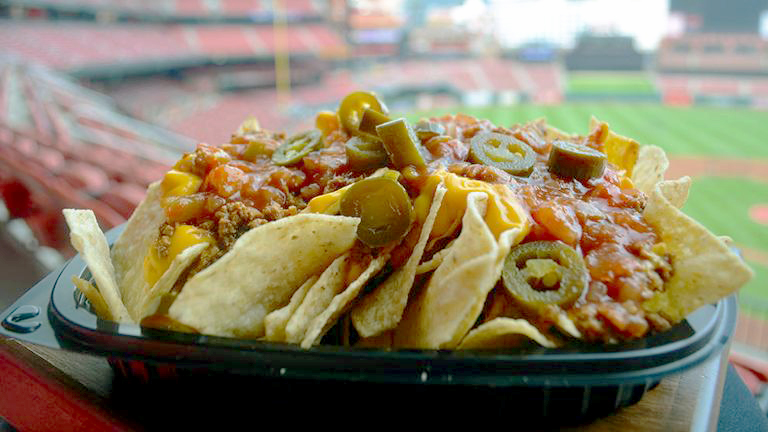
(100, 307)
(275, 321)
(504, 333)
(435, 261)
(705, 268)
(166, 282)
(88, 239)
(650, 167)
(232, 296)
(317, 299)
(323, 322)
(444, 311)
(131, 246)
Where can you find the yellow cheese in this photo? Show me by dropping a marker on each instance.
(504, 211)
(620, 150)
(329, 203)
(176, 183)
(183, 237)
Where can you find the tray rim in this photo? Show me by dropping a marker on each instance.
(543, 367)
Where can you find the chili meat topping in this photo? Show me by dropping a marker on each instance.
(573, 197)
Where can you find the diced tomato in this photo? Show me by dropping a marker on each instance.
(262, 196)
(445, 147)
(633, 287)
(286, 179)
(209, 157)
(632, 221)
(610, 261)
(328, 161)
(188, 207)
(560, 221)
(226, 180)
(247, 167)
(595, 233)
(586, 211)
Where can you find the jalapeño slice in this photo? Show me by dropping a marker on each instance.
(370, 119)
(352, 107)
(576, 161)
(544, 273)
(504, 152)
(296, 147)
(401, 144)
(383, 207)
(364, 153)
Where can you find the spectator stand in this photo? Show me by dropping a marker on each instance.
(62, 146)
(168, 11)
(725, 69)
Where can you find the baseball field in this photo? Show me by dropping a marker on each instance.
(724, 150)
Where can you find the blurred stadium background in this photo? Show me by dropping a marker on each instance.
(98, 97)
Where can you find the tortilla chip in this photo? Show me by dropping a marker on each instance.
(705, 268)
(565, 324)
(129, 250)
(323, 322)
(504, 333)
(318, 298)
(675, 192)
(232, 296)
(435, 261)
(649, 169)
(620, 150)
(383, 308)
(444, 311)
(166, 282)
(100, 307)
(88, 239)
(275, 321)
(552, 133)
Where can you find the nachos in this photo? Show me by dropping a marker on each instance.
(450, 233)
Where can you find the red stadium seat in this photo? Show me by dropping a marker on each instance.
(124, 197)
(85, 177)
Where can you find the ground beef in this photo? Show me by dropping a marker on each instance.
(233, 219)
(337, 182)
(274, 212)
(208, 257)
(164, 240)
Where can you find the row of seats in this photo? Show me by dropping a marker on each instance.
(683, 89)
(714, 52)
(186, 8)
(61, 146)
(76, 45)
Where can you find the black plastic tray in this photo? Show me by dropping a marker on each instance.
(577, 382)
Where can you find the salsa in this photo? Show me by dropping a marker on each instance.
(591, 207)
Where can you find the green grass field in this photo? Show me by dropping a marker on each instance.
(611, 83)
(721, 204)
(680, 131)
